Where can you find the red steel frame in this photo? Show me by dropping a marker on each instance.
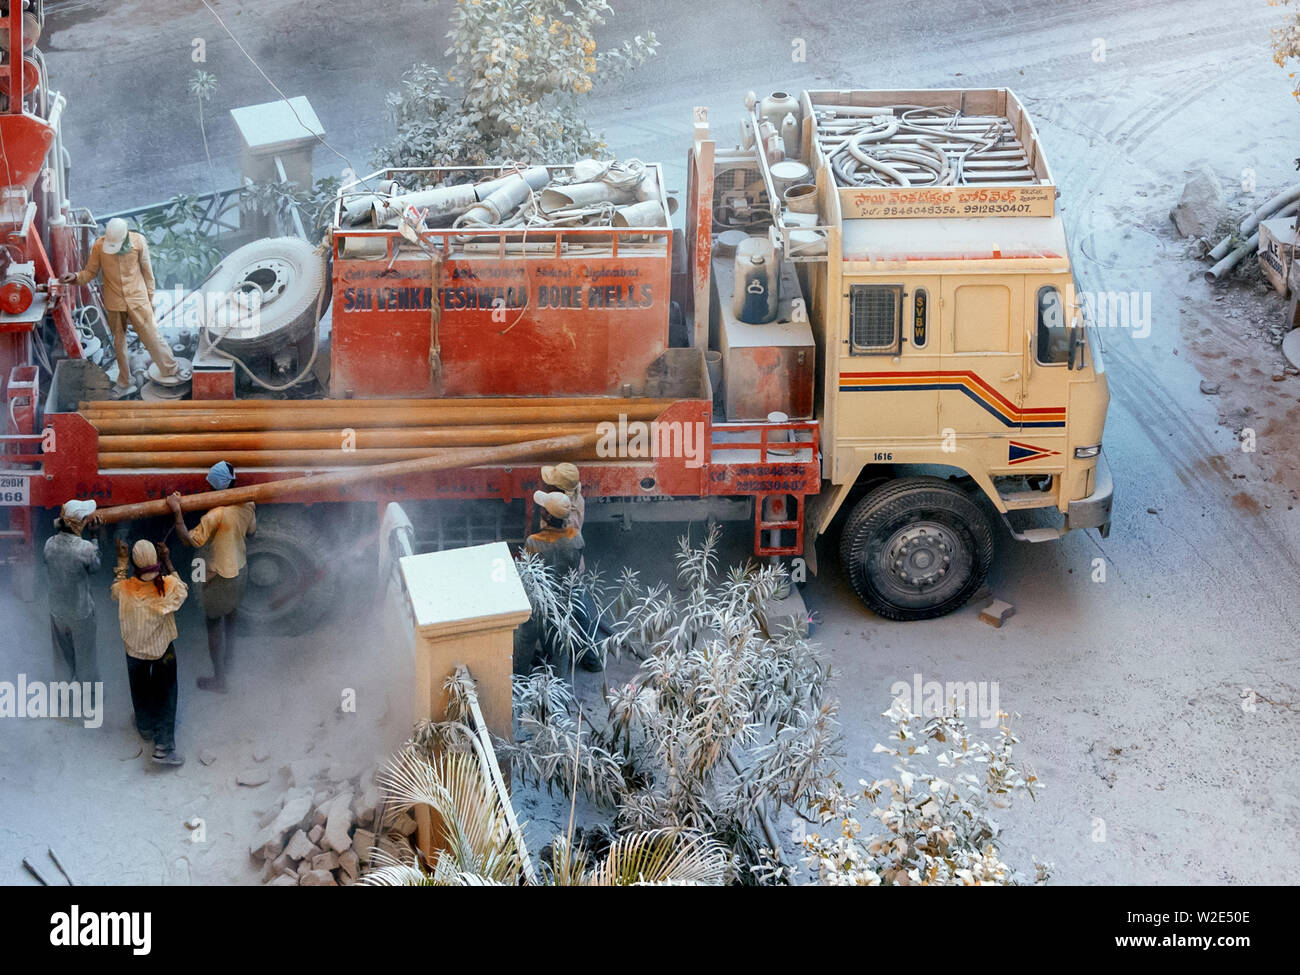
(70, 470)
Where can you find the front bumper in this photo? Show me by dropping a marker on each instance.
(1094, 510)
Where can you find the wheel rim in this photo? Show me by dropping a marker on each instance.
(920, 557)
(271, 574)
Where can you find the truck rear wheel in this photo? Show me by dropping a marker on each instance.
(292, 586)
(916, 548)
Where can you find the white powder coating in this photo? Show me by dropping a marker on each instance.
(464, 584)
(955, 238)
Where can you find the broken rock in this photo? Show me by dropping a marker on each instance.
(317, 878)
(1201, 205)
(253, 777)
(338, 824)
(363, 840)
(350, 865)
(299, 847)
(997, 612)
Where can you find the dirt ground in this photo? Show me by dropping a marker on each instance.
(1133, 693)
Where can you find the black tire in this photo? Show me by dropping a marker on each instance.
(287, 275)
(916, 548)
(292, 586)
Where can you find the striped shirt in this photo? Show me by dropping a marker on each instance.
(147, 616)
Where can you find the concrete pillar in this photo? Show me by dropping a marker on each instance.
(276, 142)
(465, 603)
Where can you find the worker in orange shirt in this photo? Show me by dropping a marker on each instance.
(223, 529)
(147, 600)
(121, 259)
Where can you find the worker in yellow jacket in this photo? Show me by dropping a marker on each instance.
(121, 259)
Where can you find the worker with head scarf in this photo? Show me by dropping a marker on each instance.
(559, 544)
(70, 561)
(225, 568)
(121, 259)
(148, 594)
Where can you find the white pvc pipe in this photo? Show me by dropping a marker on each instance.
(1254, 220)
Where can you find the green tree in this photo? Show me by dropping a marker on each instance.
(521, 68)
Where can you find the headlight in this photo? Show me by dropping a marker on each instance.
(1086, 453)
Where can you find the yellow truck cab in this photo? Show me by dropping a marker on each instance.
(952, 352)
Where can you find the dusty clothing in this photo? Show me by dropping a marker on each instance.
(127, 275)
(71, 561)
(225, 528)
(139, 315)
(127, 286)
(148, 616)
(578, 514)
(153, 696)
(221, 596)
(73, 642)
(560, 548)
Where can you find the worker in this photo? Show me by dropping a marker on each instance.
(559, 544)
(147, 600)
(223, 530)
(121, 258)
(565, 478)
(70, 562)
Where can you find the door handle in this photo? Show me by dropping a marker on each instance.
(1011, 378)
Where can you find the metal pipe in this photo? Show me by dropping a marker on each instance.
(170, 407)
(290, 459)
(333, 439)
(338, 480)
(648, 213)
(445, 201)
(316, 420)
(581, 195)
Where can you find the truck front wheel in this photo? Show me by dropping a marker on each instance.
(916, 548)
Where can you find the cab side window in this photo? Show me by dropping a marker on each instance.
(1053, 345)
(875, 311)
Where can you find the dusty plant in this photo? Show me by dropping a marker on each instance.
(279, 200)
(181, 252)
(1286, 41)
(936, 824)
(203, 85)
(722, 726)
(443, 769)
(520, 68)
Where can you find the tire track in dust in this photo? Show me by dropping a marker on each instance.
(1155, 409)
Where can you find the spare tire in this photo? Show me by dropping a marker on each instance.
(265, 295)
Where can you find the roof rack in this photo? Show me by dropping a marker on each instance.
(943, 153)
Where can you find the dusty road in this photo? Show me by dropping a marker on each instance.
(1130, 690)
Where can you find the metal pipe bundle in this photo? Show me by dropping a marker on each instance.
(341, 433)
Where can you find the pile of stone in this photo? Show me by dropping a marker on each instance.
(324, 833)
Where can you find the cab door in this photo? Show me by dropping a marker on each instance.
(889, 357)
(982, 338)
(1050, 311)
